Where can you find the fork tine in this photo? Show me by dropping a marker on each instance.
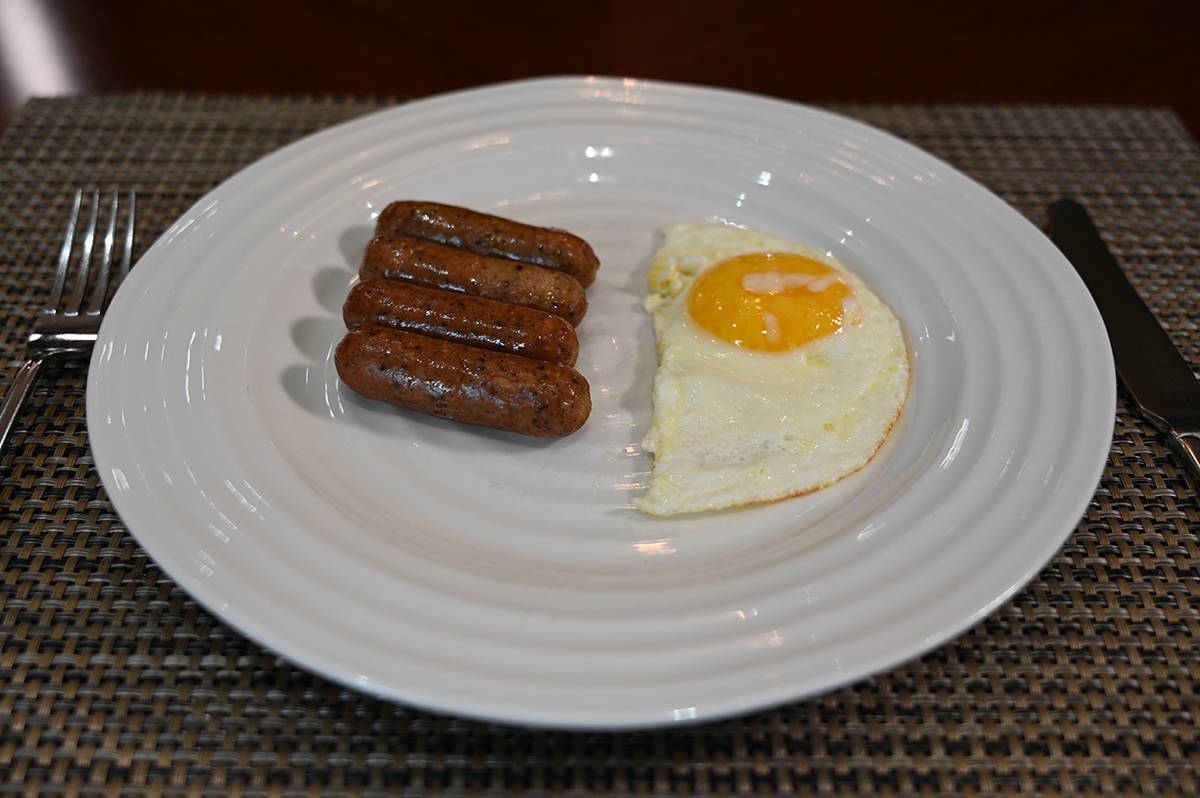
(81, 278)
(60, 331)
(100, 291)
(64, 255)
(127, 255)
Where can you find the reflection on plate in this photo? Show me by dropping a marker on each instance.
(488, 575)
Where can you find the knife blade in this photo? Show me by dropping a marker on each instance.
(1154, 373)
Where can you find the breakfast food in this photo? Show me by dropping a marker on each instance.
(779, 372)
(485, 234)
(415, 260)
(465, 335)
(464, 383)
(466, 319)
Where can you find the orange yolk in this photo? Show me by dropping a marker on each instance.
(772, 301)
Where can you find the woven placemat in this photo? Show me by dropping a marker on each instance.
(114, 682)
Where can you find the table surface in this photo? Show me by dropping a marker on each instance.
(114, 682)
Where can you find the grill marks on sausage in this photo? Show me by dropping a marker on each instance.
(463, 383)
(470, 317)
(466, 319)
(496, 236)
(402, 257)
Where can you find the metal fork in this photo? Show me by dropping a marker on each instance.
(67, 328)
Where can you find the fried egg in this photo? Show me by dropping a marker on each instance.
(779, 371)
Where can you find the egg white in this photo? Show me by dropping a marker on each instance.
(733, 426)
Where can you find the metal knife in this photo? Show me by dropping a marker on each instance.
(1152, 370)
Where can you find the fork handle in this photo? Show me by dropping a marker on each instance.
(18, 392)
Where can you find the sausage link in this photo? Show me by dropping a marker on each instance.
(417, 260)
(492, 235)
(464, 383)
(466, 319)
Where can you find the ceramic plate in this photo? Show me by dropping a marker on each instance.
(493, 576)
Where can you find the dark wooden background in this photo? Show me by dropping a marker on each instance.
(1133, 53)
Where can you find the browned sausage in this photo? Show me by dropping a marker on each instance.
(492, 235)
(464, 383)
(416, 260)
(470, 320)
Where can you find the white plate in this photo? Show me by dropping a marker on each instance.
(493, 576)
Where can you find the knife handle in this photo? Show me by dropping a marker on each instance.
(1189, 443)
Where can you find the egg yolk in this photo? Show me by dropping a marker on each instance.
(772, 301)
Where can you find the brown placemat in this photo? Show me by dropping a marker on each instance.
(114, 682)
